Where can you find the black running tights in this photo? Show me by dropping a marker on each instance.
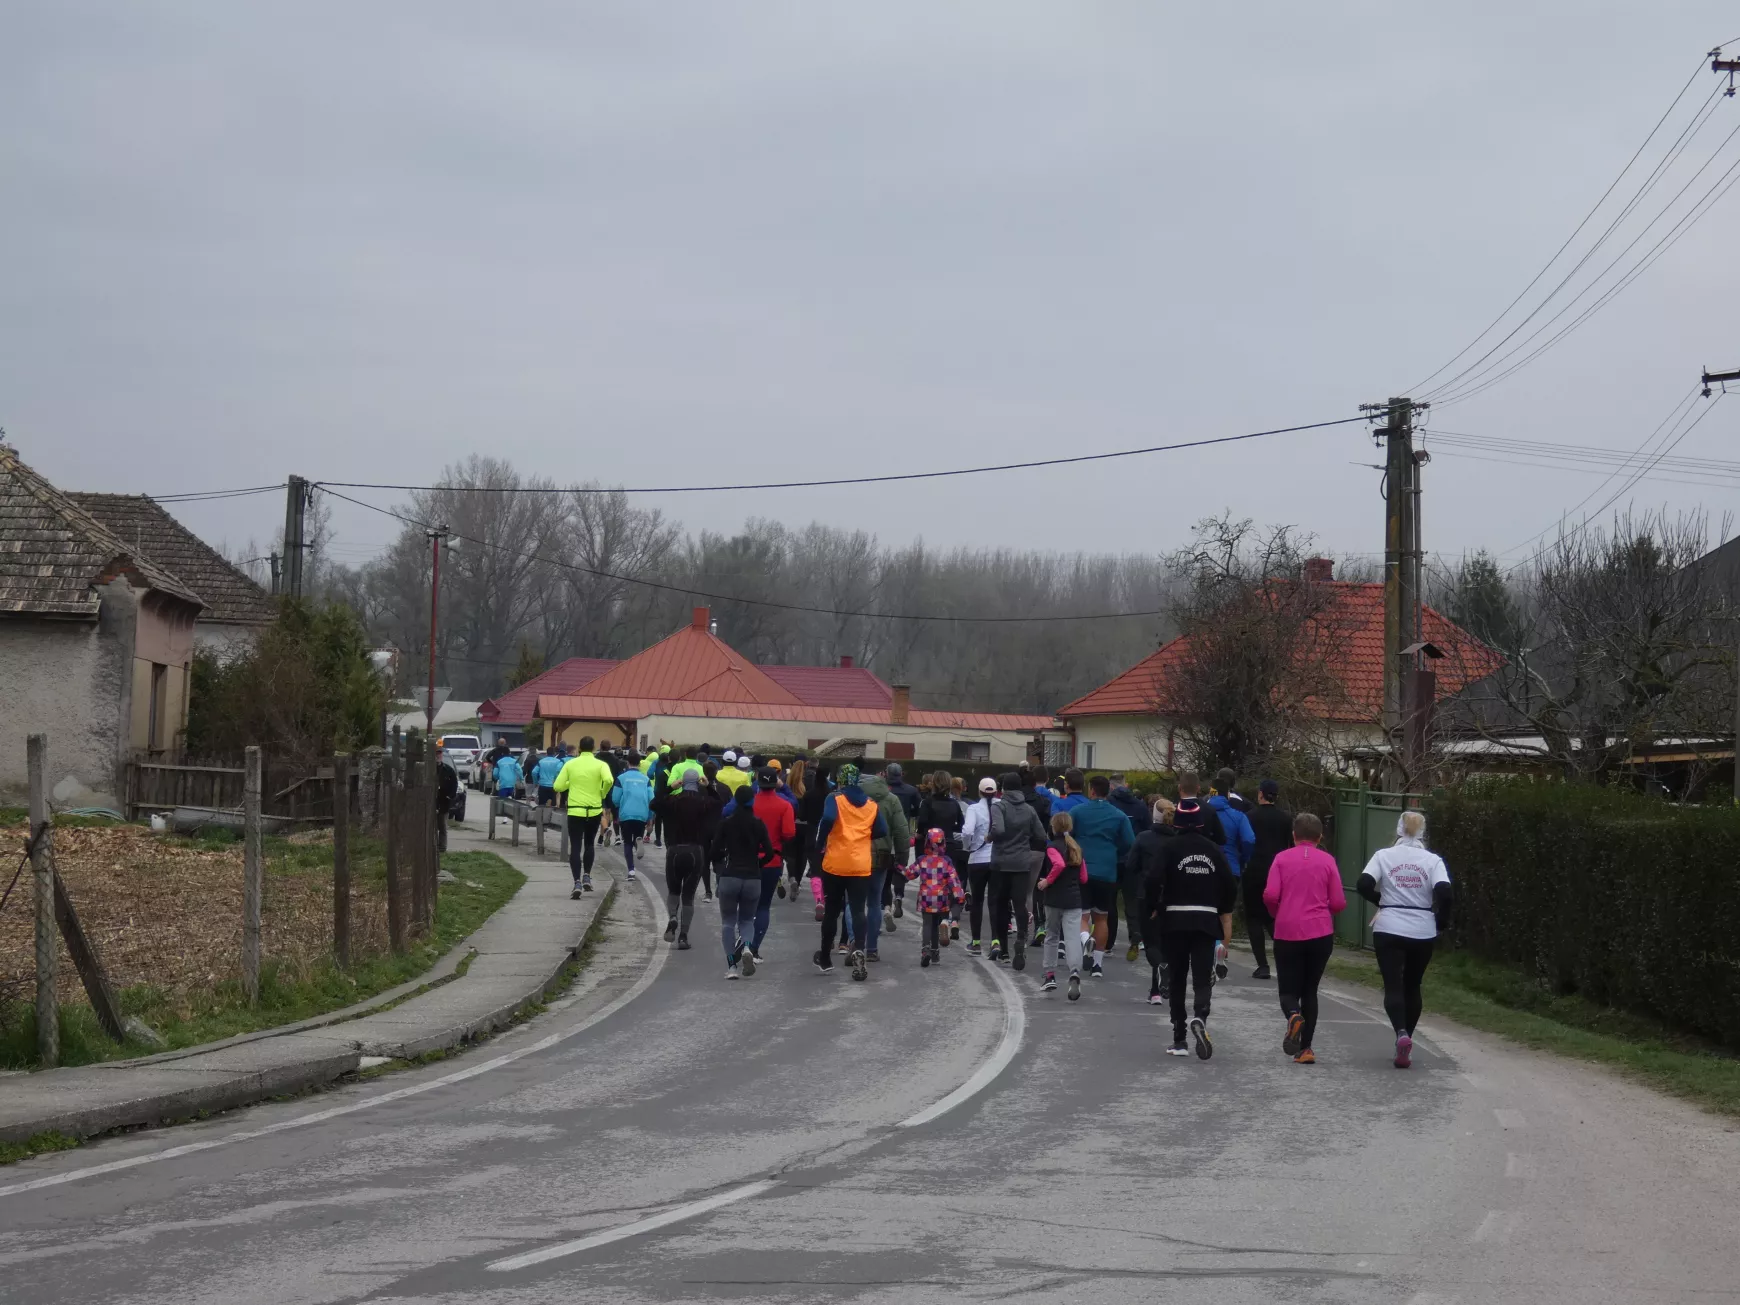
(1402, 962)
(1299, 966)
(1007, 890)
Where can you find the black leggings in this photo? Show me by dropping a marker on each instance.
(1299, 969)
(1258, 923)
(683, 864)
(582, 836)
(1008, 889)
(839, 891)
(978, 884)
(1189, 956)
(1402, 962)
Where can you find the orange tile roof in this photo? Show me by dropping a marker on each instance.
(518, 706)
(692, 665)
(1358, 619)
(592, 705)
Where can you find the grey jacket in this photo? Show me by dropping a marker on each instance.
(1017, 833)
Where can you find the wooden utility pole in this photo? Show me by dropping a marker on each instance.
(341, 859)
(1403, 719)
(251, 875)
(296, 493)
(42, 872)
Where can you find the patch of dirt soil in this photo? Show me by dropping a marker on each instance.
(171, 915)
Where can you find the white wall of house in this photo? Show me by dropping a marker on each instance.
(223, 638)
(929, 743)
(1120, 742)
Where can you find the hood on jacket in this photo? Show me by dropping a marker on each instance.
(875, 788)
(933, 843)
(1015, 797)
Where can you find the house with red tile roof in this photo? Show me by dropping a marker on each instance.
(692, 687)
(1130, 722)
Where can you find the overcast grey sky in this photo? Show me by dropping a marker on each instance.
(707, 241)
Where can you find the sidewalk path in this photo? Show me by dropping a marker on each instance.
(520, 951)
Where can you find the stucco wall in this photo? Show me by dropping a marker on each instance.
(930, 744)
(1121, 742)
(70, 680)
(163, 636)
(224, 640)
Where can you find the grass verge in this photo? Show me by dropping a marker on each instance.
(286, 995)
(1501, 999)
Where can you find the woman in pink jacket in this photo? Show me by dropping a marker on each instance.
(1304, 894)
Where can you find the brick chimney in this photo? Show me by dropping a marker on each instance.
(901, 711)
(845, 663)
(1319, 570)
(699, 617)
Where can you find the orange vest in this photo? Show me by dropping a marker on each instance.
(848, 851)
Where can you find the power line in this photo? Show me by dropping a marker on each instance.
(205, 495)
(734, 598)
(842, 480)
(1690, 218)
(1587, 218)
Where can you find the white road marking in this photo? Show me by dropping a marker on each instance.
(1014, 1029)
(1497, 1226)
(397, 1094)
(1519, 1166)
(677, 1215)
(1508, 1119)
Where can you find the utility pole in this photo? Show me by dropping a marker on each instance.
(1722, 378)
(437, 537)
(296, 496)
(1720, 65)
(274, 560)
(1403, 718)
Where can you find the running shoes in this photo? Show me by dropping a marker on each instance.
(1305, 1057)
(899, 909)
(859, 973)
(1097, 970)
(576, 895)
(821, 961)
(1075, 987)
(682, 942)
(1295, 1034)
(888, 921)
(954, 930)
(731, 971)
(1048, 983)
(1404, 1050)
(1199, 1032)
(1134, 954)
(1261, 972)
(586, 884)
(1178, 1049)
(1020, 961)
(973, 947)
(745, 960)
(671, 930)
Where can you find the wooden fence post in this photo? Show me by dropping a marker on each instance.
(251, 876)
(395, 883)
(89, 964)
(341, 860)
(514, 815)
(42, 872)
(433, 894)
(541, 812)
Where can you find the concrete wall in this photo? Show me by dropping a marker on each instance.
(224, 640)
(163, 636)
(71, 680)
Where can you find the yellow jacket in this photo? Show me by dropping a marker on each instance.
(586, 780)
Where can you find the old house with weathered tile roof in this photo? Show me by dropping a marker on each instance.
(96, 643)
(236, 607)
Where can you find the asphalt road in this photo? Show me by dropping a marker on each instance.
(663, 1135)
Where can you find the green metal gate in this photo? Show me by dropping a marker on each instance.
(1364, 821)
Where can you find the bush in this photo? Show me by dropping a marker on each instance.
(1624, 900)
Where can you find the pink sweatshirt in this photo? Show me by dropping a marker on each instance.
(1303, 893)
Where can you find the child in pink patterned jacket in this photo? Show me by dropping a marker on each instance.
(939, 889)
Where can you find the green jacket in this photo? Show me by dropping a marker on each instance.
(899, 837)
(586, 780)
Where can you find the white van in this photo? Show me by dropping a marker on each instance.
(462, 752)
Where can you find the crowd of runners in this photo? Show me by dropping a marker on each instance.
(1032, 864)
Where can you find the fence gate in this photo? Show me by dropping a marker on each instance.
(1365, 820)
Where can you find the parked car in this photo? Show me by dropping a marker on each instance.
(462, 752)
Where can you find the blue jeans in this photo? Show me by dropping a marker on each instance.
(872, 929)
(764, 912)
(737, 899)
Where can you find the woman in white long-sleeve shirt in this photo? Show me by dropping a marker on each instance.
(1410, 886)
(976, 838)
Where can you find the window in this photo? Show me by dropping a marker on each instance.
(1057, 752)
(1087, 756)
(159, 707)
(961, 750)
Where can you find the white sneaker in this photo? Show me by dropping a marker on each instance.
(732, 972)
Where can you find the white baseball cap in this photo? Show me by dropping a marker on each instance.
(987, 785)
(730, 755)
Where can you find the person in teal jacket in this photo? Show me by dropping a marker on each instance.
(1106, 837)
(631, 799)
(507, 777)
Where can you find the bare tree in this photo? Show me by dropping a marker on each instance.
(1616, 640)
(1253, 677)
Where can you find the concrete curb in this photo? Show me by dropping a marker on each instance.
(517, 956)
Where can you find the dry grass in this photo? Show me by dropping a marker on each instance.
(167, 912)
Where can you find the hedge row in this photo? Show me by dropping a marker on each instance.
(1625, 900)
